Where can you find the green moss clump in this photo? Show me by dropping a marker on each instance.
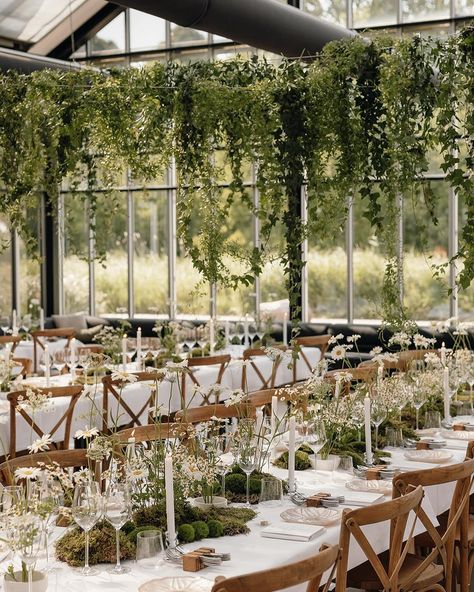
(216, 528)
(132, 536)
(201, 530)
(255, 486)
(70, 547)
(302, 461)
(186, 533)
(235, 483)
(232, 527)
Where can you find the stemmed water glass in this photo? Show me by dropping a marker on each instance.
(315, 436)
(418, 401)
(252, 333)
(247, 456)
(131, 348)
(50, 495)
(5, 325)
(86, 511)
(31, 542)
(154, 346)
(59, 360)
(378, 413)
(117, 507)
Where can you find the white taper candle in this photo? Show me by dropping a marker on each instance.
(169, 492)
(368, 431)
(124, 353)
(47, 364)
(285, 329)
(291, 454)
(447, 398)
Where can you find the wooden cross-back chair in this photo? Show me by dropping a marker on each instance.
(308, 571)
(406, 357)
(201, 414)
(26, 365)
(150, 433)
(193, 364)
(367, 374)
(268, 382)
(114, 389)
(14, 340)
(64, 458)
(18, 397)
(396, 570)
(319, 341)
(42, 336)
(93, 348)
(442, 540)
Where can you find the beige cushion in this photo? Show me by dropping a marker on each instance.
(76, 321)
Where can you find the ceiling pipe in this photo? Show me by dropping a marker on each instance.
(266, 24)
(26, 63)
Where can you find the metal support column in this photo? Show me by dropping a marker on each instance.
(60, 249)
(256, 243)
(51, 259)
(130, 245)
(15, 252)
(213, 300)
(453, 247)
(350, 258)
(172, 244)
(304, 257)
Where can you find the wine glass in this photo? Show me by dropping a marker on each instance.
(131, 348)
(154, 345)
(86, 511)
(418, 401)
(315, 436)
(117, 512)
(5, 325)
(11, 498)
(252, 333)
(59, 360)
(29, 531)
(247, 451)
(50, 497)
(378, 413)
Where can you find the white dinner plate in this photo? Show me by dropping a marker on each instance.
(457, 435)
(382, 486)
(317, 516)
(429, 456)
(177, 584)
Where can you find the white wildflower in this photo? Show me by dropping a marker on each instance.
(86, 433)
(353, 338)
(27, 473)
(41, 444)
(123, 376)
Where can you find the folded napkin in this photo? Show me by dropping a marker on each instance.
(293, 532)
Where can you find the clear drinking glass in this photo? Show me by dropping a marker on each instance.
(149, 548)
(117, 508)
(346, 464)
(59, 360)
(271, 493)
(378, 413)
(432, 419)
(315, 435)
(86, 511)
(247, 460)
(418, 401)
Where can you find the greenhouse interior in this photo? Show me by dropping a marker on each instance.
(236, 295)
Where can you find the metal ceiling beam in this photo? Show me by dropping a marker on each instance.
(266, 24)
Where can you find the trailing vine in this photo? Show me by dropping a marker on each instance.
(358, 122)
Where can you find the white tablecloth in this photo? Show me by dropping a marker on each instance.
(252, 552)
(88, 410)
(25, 349)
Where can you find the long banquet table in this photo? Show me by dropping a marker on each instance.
(87, 411)
(252, 552)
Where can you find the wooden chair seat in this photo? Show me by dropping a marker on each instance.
(364, 576)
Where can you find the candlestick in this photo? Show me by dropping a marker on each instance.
(7, 353)
(285, 329)
(73, 360)
(124, 353)
(447, 413)
(169, 491)
(274, 414)
(291, 454)
(368, 432)
(443, 354)
(259, 421)
(139, 347)
(246, 330)
(47, 363)
(41, 319)
(211, 337)
(14, 323)
(379, 375)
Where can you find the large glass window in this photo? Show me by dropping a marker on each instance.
(111, 276)
(30, 273)
(111, 38)
(150, 267)
(185, 35)
(374, 13)
(332, 10)
(76, 253)
(5, 269)
(146, 31)
(464, 7)
(421, 10)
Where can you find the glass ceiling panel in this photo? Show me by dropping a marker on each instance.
(31, 20)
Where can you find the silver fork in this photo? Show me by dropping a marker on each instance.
(298, 498)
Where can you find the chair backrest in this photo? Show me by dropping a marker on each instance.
(396, 512)
(17, 400)
(150, 433)
(14, 340)
(25, 364)
(320, 341)
(201, 414)
(266, 382)
(367, 374)
(41, 337)
(458, 516)
(221, 362)
(64, 458)
(93, 348)
(406, 357)
(278, 578)
(115, 388)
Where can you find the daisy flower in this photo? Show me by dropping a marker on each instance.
(137, 474)
(124, 376)
(86, 433)
(338, 352)
(27, 473)
(41, 444)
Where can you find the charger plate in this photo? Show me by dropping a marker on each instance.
(383, 486)
(317, 516)
(429, 456)
(177, 584)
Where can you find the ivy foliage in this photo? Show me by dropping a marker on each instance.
(358, 122)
